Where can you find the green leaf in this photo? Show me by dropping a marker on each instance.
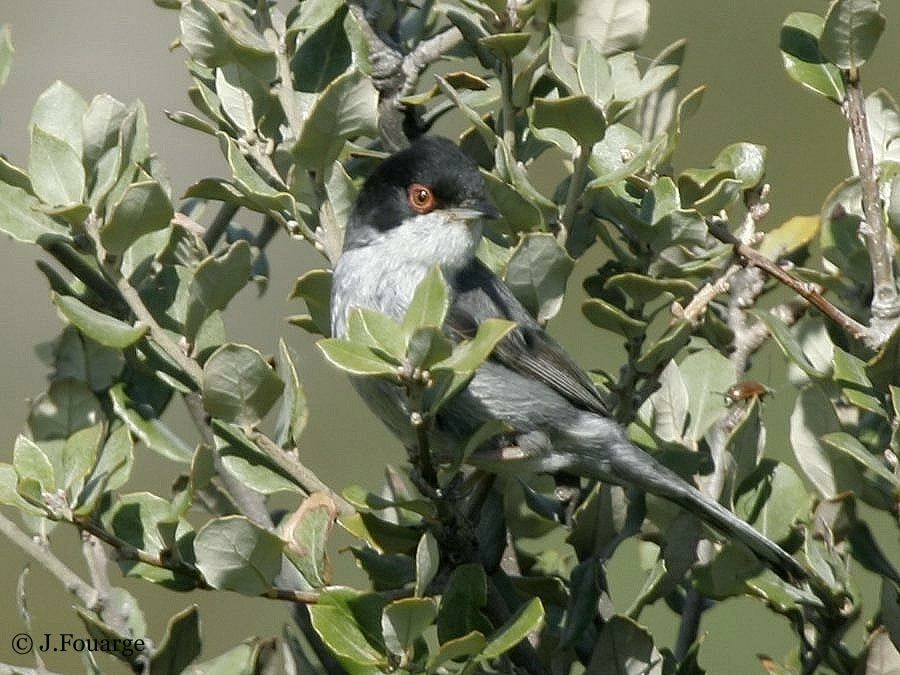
(706, 375)
(215, 282)
(32, 463)
(346, 109)
(6, 53)
(467, 356)
(747, 161)
(788, 343)
(323, 54)
(848, 445)
(349, 622)
(427, 562)
(293, 413)
(355, 358)
(215, 34)
(150, 430)
(144, 207)
(883, 121)
(505, 45)
(772, 499)
(67, 406)
(102, 328)
(460, 611)
(671, 342)
(578, 116)
(101, 123)
(429, 303)
(55, 169)
(670, 404)
(537, 274)
(314, 288)
(813, 417)
(625, 647)
(643, 289)
(235, 554)
(605, 315)
(615, 25)
(527, 619)
(111, 471)
(238, 385)
(378, 331)
(9, 492)
(181, 643)
(803, 59)
(21, 218)
(790, 236)
(404, 621)
(306, 532)
(58, 111)
(79, 454)
(463, 647)
(851, 31)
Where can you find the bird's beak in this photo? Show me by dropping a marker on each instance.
(476, 209)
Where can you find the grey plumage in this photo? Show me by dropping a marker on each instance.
(530, 382)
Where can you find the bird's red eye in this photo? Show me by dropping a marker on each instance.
(421, 198)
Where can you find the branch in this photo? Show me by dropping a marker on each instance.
(73, 583)
(303, 476)
(395, 75)
(879, 244)
(808, 292)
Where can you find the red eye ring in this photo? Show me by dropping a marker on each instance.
(421, 198)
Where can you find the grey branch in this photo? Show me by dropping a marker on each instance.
(395, 74)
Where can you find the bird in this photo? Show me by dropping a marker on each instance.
(425, 206)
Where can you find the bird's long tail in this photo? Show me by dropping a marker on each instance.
(620, 460)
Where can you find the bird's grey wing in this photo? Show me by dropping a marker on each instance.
(527, 349)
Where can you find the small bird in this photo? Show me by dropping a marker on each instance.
(425, 206)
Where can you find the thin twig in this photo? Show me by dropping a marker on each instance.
(576, 188)
(73, 583)
(879, 243)
(303, 476)
(808, 292)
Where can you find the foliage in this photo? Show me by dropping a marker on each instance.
(301, 106)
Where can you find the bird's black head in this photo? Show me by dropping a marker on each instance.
(431, 174)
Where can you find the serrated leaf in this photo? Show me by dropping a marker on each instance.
(144, 207)
(54, 166)
(238, 385)
(803, 59)
(851, 31)
(235, 554)
(102, 328)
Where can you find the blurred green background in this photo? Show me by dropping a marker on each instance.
(121, 48)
